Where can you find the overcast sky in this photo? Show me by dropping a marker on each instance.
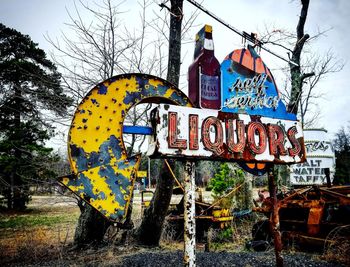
(39, 17)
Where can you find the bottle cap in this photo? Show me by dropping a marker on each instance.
(208, 28)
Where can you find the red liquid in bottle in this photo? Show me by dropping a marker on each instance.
(204, 73)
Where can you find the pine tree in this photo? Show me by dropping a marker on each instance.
(229, 178)
(342, 155)
(222, 181)
(29, 88)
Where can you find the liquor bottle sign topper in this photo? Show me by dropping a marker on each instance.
(251, 125)
(204, 72)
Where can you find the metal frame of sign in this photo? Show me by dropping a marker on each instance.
(194, 134)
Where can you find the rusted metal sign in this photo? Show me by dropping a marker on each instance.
(320, 156)
(103, 174)
(215, 135)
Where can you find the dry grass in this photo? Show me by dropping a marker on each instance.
(234, 237)
(43, 233)
(35, 244)
(337, 245)
(36, 234)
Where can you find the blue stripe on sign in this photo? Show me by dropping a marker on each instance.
(144, 130)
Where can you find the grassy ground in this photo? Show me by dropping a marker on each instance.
(47, 227)
(43, 229)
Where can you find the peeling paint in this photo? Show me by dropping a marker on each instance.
(196, 134)
(103, 175)
(189, 215)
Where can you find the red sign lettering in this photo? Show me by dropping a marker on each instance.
(193, 132)
(259, 129)
(276, 140)
(240, 144)
(173, 141)
(217, 146)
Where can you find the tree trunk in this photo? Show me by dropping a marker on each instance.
(174, 61)
(297, 77)
(18, 198)
(91, 227)
(150, 230)
(248, 192)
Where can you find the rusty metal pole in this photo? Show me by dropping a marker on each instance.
(189, 216)
(274, 219)
(328, 177)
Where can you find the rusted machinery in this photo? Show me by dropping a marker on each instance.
(207, 216)
(306, 215)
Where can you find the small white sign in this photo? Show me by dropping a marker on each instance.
(319, 155)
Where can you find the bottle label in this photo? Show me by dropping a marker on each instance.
(208, 44)
(209, 87)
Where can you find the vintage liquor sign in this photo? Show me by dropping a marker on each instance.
(248, 86)
(251, 127)
(320, 155)
(215, 135)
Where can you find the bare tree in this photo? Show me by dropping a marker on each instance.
(97, 50)
(302, 89)
(321, 66)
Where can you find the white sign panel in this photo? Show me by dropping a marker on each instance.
(319, 155)
(211, 134)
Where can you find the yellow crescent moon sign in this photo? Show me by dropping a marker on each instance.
(102, 173)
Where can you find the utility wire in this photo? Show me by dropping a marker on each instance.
(249, 37)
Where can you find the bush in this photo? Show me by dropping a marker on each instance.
(223, 182)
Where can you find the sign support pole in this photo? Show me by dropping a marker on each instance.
(275, 219)
(189, 215)
(149, 173)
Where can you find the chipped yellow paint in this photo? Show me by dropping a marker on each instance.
(154, 82)
(65, 181)
(109, 204)
(99, 124)
(96, 149)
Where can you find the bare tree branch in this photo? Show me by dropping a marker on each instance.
(302, 86)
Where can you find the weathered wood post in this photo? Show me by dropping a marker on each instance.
(274, 218)
(189, 216)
